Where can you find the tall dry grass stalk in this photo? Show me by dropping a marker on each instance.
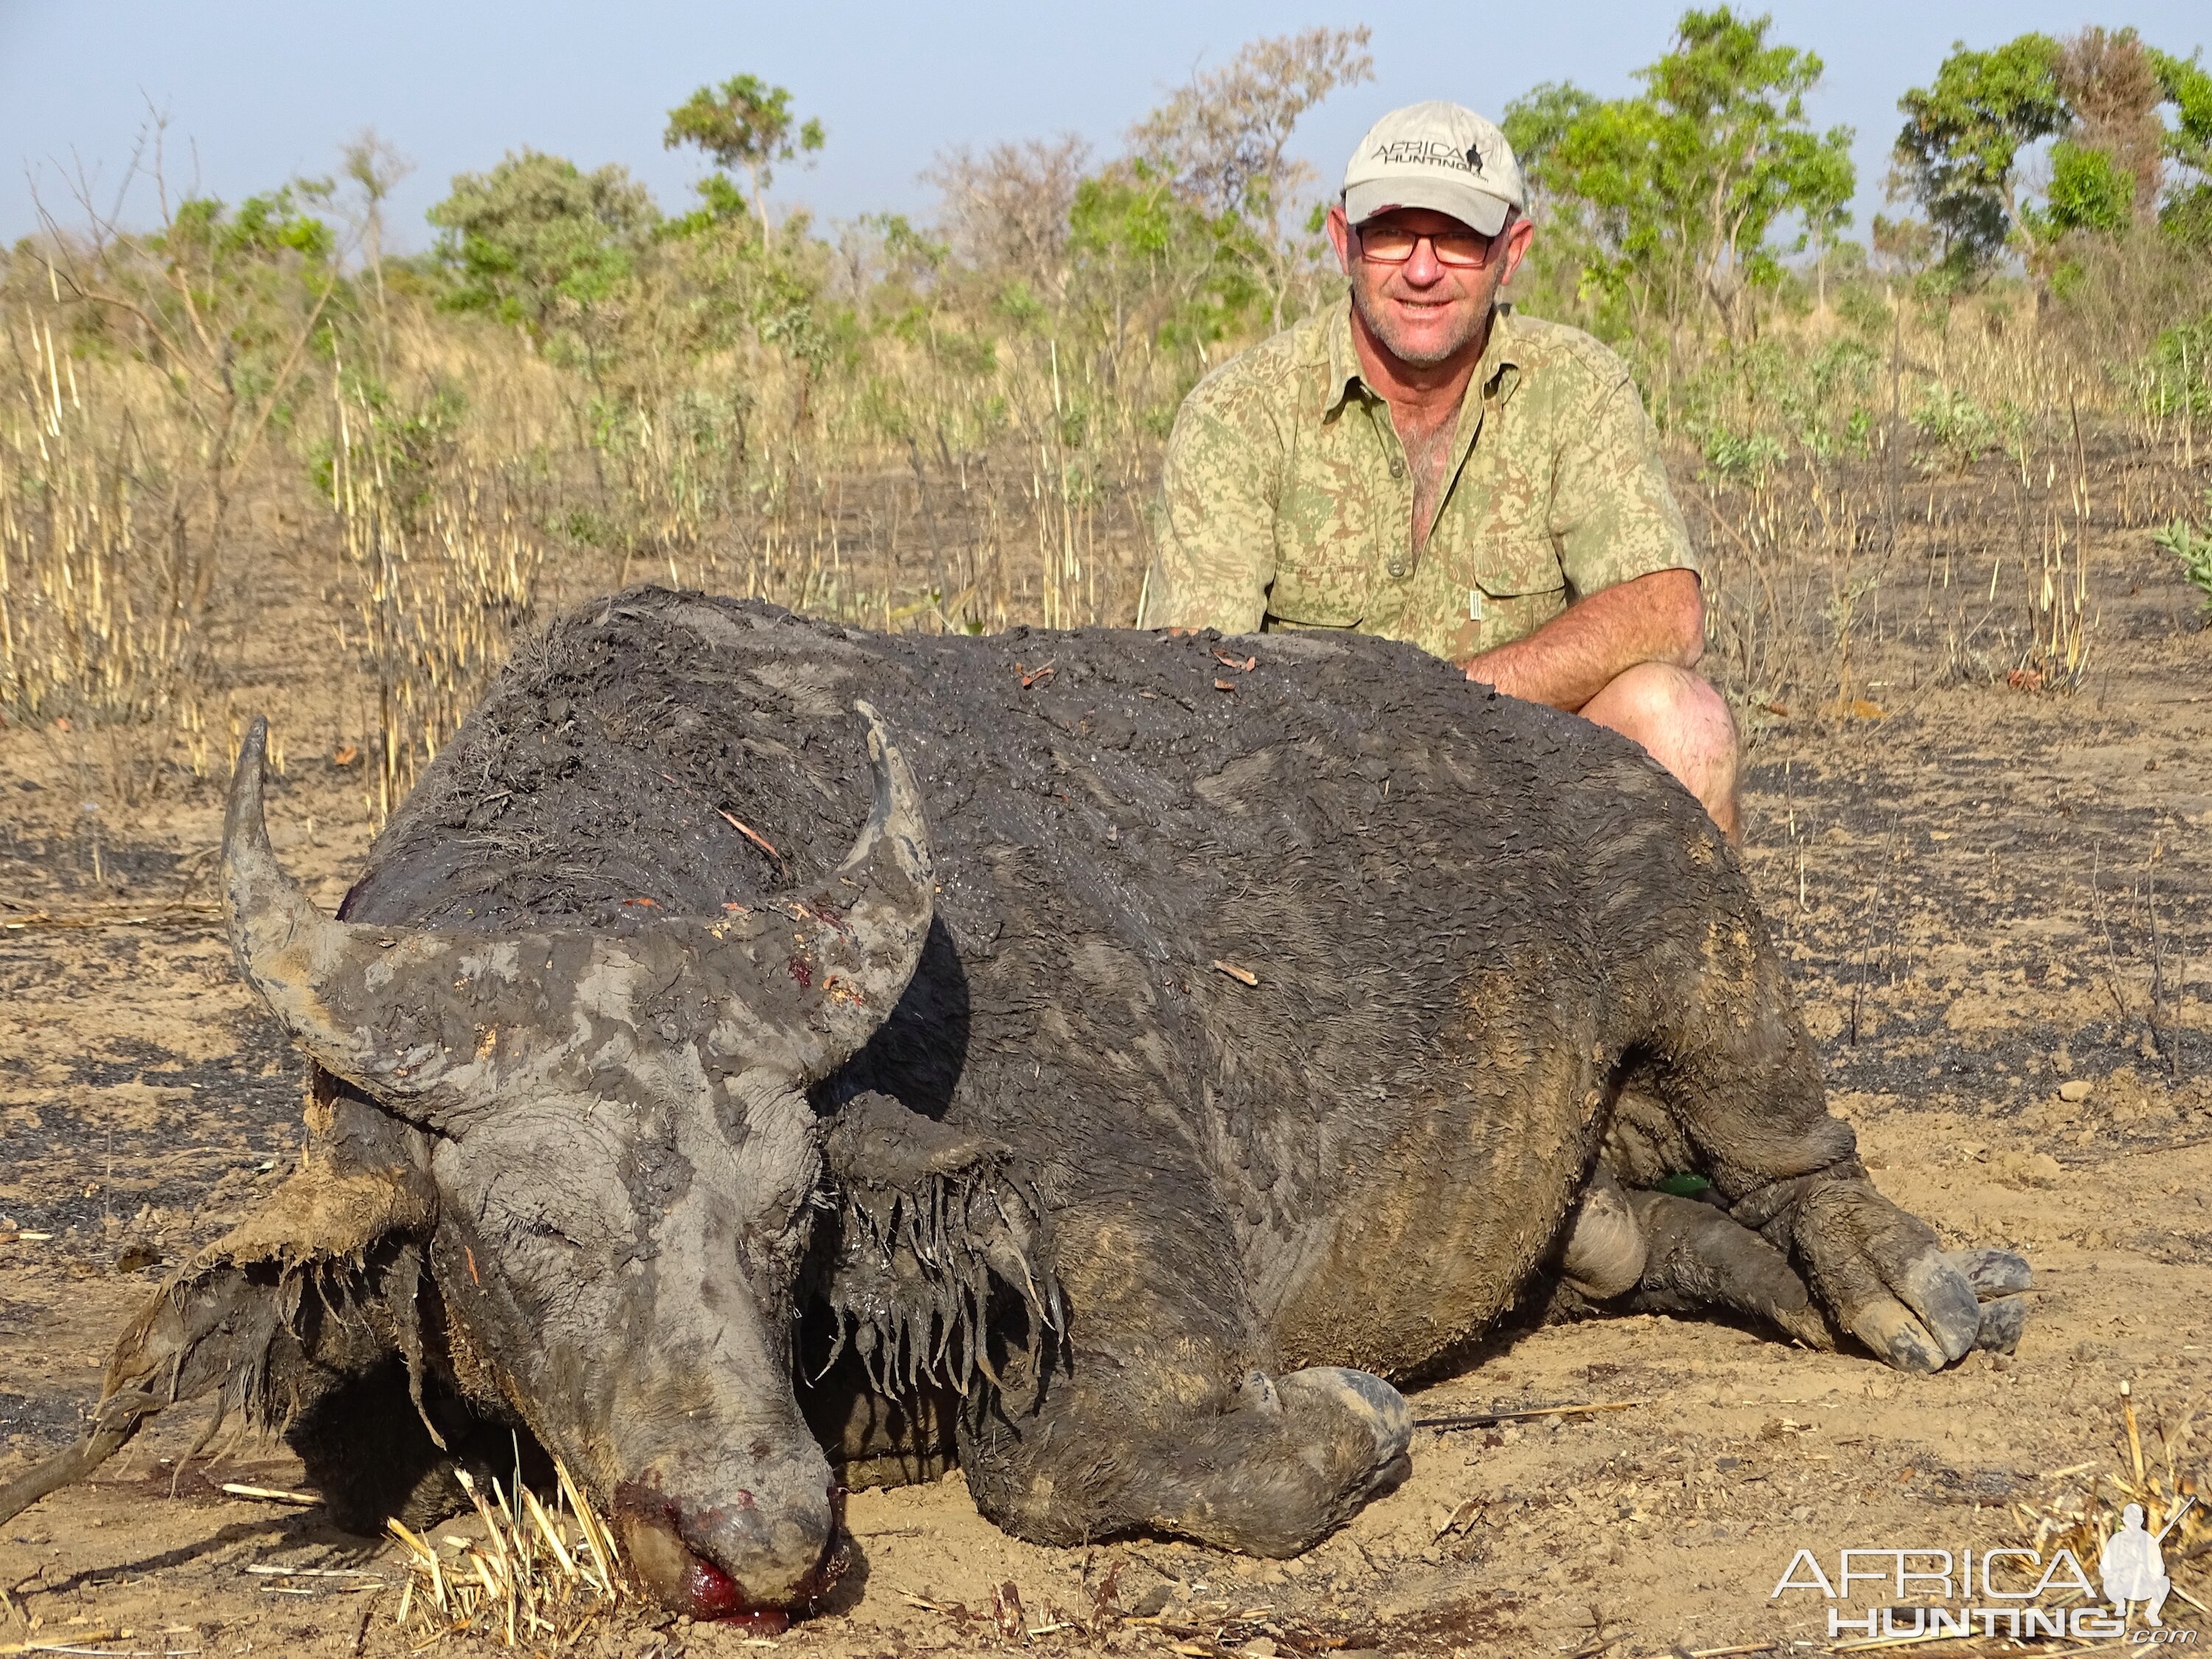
(93, 622)
(441, 580)
(1949, 498)
(534, 1574)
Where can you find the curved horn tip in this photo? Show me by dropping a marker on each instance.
(244, 811)
(255, 745)
(878, 734)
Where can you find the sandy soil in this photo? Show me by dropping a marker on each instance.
(1986, 895)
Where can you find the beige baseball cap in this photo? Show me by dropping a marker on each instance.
(1439, 156)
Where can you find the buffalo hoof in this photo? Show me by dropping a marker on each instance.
(1931, 1318)
(1884, 1277)
(1373, 1403)
(1998, 1277)
(1948, 1304)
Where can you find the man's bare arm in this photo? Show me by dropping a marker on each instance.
(1659, 617)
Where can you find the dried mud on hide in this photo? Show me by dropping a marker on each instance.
(1989, 899)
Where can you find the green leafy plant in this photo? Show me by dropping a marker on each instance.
(2192, 544)
(1958, 429)
(540, 242)
(1957, 156)
(744, 122)
(2175, 375)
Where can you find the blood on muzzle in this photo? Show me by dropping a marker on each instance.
(652, 1527)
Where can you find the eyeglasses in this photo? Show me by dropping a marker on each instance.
(1463, 250)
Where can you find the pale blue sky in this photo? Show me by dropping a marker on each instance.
(258, 91)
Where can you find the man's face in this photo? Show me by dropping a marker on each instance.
(1424, 311)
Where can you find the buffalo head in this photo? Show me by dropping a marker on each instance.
(618, 1131)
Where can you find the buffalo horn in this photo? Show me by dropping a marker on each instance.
(801, 983)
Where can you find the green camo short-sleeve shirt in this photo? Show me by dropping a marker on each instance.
(1286, 500)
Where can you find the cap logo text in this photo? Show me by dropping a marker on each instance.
(1429, 152)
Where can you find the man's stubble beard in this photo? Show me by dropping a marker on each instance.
(1371, 308)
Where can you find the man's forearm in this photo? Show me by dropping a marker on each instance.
(1659, 617)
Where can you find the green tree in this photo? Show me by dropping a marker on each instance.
(1957, 154)
(2090, 189)
(744, 123)
(1149, 263)
(1682, 201)
(1535, 124)
(539, 242)
(2186, 214)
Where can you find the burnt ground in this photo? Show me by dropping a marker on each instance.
(1985, 894)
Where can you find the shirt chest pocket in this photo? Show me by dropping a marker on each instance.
(1324, 559)
(1512, 586)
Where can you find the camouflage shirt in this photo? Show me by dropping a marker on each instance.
(1287, 501)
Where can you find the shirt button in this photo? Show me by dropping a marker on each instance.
(1397, 468)
(1397, 569)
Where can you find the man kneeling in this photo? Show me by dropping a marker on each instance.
(1425, 464)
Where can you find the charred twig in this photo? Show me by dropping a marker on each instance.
(2170, 1043)
(1523, 1414)
(16, 917)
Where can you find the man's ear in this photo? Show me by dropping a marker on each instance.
(1340, 237)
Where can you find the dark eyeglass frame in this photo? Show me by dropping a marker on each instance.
(1484, 248)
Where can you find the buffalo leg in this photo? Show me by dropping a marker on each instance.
(1698, 1260)
(1739, 1077)
(1169, 1418)
(1693, 1258)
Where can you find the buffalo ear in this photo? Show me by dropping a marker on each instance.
(239, 1321)
(935, 1227)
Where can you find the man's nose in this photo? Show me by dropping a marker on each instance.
(1424, 269)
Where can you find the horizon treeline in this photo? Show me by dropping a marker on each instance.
(954, 421)
(1679, 223)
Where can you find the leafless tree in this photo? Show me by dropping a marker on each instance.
(374, 167)
(2110, 82)
(1005, 211)
(1224, 138)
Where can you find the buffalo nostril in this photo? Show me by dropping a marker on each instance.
(685, 1581)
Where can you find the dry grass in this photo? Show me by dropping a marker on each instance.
(534, 1576)
(91, 625)
(439, 585)
(2163, 1477)
(467, 487)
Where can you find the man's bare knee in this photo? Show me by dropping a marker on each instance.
(1685, 725)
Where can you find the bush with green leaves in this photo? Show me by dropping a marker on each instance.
(2175, 375)
(2191, 543)
(2133, 132)
(1958, 430)
(1673, 208)
(539, 242)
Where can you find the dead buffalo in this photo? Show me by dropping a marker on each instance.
(1198, 1033)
